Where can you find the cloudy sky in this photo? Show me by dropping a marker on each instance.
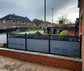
(35, 8)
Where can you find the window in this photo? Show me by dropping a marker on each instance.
(14, 21)
(4, 21)
(4, 27)
(28, 23)
(23, 22)
(13, 26)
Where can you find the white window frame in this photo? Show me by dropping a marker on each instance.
(4, 21)
(13, 26)
(28, 23)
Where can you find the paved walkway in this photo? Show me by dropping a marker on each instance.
(9, 64)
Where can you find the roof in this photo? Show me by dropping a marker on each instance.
(15, 17)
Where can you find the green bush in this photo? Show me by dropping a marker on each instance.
(37, 33)
(31, 33)
(64, 33)
(4, 45)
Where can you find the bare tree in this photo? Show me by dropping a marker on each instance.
(62, 20)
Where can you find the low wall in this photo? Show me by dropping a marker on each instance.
(73, 64)
(71, 33)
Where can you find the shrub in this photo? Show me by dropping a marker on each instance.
(4, 45)
(64, 33)
(37, 33)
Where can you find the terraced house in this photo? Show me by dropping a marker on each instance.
(14, 21)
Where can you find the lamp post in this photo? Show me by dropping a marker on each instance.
(52, 15)
(44, 15)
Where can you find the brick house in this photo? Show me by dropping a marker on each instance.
(81, 26)
(33, 25)
(14, 21)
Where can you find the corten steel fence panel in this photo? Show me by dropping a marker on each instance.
(16, 41)
(68, 46)
(38, 43)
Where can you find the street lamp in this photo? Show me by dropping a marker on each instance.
(52, 15)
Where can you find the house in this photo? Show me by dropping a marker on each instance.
(81, 26)
(33, 25)
(40, 23)
(13, 21)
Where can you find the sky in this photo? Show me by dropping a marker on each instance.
(35, 9)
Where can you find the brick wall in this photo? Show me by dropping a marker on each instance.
(82, 33)
(73, 33)
(45, 60)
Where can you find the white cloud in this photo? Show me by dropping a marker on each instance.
(71, 12)
(34, 8)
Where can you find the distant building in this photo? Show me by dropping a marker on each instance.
(14, 21)
(33, 25)
(40, 23)
(37, 23)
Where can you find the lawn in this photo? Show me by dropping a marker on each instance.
(16, 32)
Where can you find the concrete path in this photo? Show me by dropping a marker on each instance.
(9, 64)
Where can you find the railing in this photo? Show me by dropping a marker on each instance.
(52, 44)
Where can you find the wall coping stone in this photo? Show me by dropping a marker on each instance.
(44, 54)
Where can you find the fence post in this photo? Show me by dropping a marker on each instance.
(7, 39)
(25, 42)
(49, 44)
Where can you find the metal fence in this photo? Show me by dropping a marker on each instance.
(51, 44)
